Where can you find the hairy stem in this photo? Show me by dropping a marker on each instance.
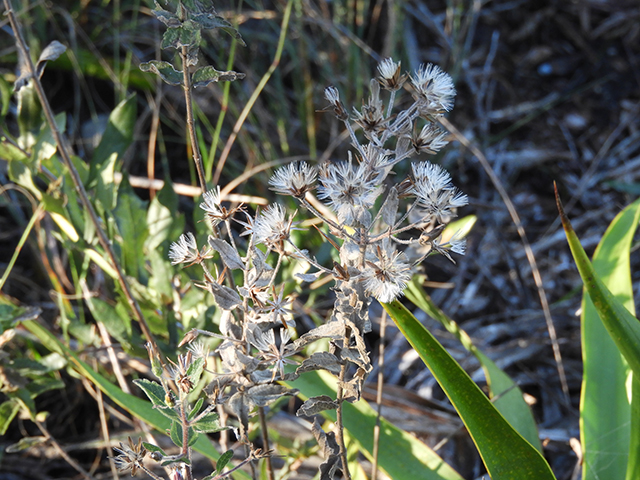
(195, 147)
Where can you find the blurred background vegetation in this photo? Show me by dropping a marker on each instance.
(549, 91)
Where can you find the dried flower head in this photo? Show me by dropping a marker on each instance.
(350, 190)
(430, 139)
(295, 179)
(213, 209)
(390, 77)
(130, 458)
(387, 276)
(371, 119)
(272, 227)
(438, 197)
(333, 97)
(433, 90)
(186, 250)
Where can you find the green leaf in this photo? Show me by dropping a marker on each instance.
(403, 456)
(24, 443)
(176, 434)
(153, 448)
(207, 21)
(195, 369)
(161, 215)
(10, 152)
(622, 326)
(506, 395)
(605, 413)
(505, 453)
(224, 460)
(44, 384)
(208, 424)
(170, 19)
(115, 140)
(205, 75)
(119, 326)
(196, 408)
(8, 411)
(153, 390)
(165, 70)
(131, 217)
(136, 406)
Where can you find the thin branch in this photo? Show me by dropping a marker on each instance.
(195, 147)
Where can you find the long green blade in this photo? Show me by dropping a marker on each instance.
(505, 394)
(505, 453)
(605, 412)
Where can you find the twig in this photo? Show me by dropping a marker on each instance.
(265, 442)
(525, 242)
(57, 446)
(195, 147)
(63, 150)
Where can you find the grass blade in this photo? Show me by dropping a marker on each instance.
(505, 394)
(505, 453)
(605, 413)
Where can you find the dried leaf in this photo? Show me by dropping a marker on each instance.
(225, 297)
(263, 395)
(229, 255)
(390, 207)
(331, 450)
(318, 361)
(308, 277)
(316, 405)
(165, 70)
(333, 330)
(51, 52)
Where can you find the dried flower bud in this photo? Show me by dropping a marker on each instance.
(154, 359)
(333, 97)
(390, 77)
(130, 458)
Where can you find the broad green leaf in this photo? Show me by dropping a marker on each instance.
(139, 408)
(164, 70)
(605, 419)
(161, 215)
(401, 456)
(115, 140)
(119, 326)
(153, 390)
(8, 411)
(505, 453)
(131, 217)
(208, 424)
(506, 395)
(44, 384)
(10, 152)
(22, 175)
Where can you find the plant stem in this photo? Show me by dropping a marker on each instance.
(265, 442)
(195, 147)
(185, 436)
(340, 432)
(63, 150)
